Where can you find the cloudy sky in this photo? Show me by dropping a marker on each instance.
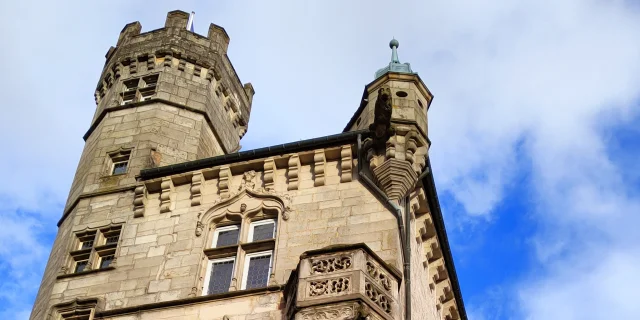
(535, 127)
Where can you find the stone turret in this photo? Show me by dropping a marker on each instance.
(394, 107)
(164, 97)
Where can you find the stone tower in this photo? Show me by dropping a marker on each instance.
(167, 220)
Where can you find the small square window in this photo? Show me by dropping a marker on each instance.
(262, 230)
(81, 266)
(257, 269)
(146, 95)
(150, 81)
(112, 239)
(226, 236)
(105, 261)
(86, 245)
(119, 167)
(218, 277)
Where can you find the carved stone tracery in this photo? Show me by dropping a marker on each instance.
(329, 265)
(377, 297)
(379, 276)
(329, 286)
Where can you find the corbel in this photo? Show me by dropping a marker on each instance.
(346, 164)
(292, 173)
(139, 201)
(165, 194)
(196, 188)
(319, 161)
(151, 62)
(224, 181)
(182, 65)
(197, 70)
(133, 66)
(269, 174)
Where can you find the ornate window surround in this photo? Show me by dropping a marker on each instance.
(246, 209)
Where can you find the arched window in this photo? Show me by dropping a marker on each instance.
(240, 245)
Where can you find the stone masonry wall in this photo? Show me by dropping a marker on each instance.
(159, 258)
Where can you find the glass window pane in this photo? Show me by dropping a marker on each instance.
(105, 261)
(119, 168)
(258, 273)
(87, 244)
(220, 278)
(227, 237)
(80, 266)
(112, 239)
(263, 232)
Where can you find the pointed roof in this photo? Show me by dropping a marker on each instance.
(395, 65)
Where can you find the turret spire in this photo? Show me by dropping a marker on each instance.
(395, 65)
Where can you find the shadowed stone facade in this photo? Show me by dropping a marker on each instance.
(167, 220)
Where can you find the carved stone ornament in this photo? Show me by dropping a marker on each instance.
(328, 265)
(379, 276)
(199, 228)
(377, 297)
(247, 202)
(329, 313)
(330, 286)
(381, 126)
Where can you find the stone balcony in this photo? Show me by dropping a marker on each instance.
(343, 282)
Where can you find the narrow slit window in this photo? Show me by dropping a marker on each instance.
(219, 274)
(226, 236)
(262, 230)
(257, 270)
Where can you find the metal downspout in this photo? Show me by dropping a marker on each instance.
(404, 235)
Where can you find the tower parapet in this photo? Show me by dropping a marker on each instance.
(164, 97)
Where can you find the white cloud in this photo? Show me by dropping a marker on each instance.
(533, 80)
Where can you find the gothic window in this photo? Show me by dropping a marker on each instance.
(240, 256)
(94, 249)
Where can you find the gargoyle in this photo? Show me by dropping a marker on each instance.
(381, 126)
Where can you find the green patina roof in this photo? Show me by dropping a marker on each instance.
(395, 65)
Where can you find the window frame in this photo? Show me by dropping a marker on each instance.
(247, 261)
(207, 277)
(262, 222)
(217, 230)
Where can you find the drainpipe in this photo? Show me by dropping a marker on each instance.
(405, 233)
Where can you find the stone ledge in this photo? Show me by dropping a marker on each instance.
(179, 302)
(77, 274)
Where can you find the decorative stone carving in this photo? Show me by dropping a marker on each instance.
(118, 71)
(377, 297)
(329, 313)
(379, 276)
(165, 194)
(223, 182)
(381, 126)
(139, 201)
(196, 188)
(395, 177)
(269, 174)
(329, 286)
(346, 164)
(197, 70)
(181, 65)
(199, 228)
(292, 173)
(319, 161)
(248, 180)
(329, 265)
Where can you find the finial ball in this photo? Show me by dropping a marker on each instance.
(394, 43)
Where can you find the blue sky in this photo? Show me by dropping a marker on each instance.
(534, 124)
